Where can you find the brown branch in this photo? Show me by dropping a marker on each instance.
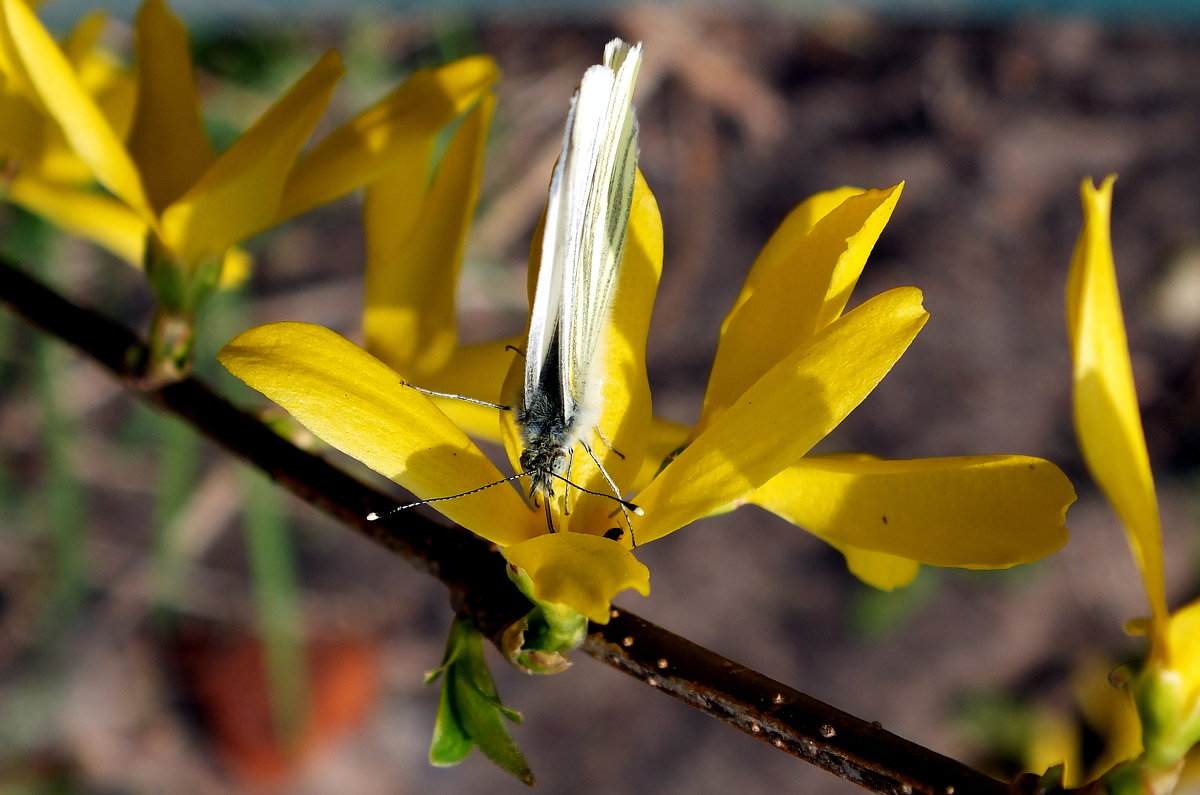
(473, 571)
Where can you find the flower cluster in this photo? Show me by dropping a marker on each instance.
(792, 362)
(767, 404)
(119, 155)
(74, 119)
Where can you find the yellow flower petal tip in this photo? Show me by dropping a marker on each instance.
(583, 572)
(1108, 423)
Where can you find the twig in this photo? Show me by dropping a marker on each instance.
(473, 571)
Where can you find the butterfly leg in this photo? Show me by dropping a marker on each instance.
(608, 444)
(612, 485)
(567, 492)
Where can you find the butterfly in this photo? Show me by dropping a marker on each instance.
(591, 192)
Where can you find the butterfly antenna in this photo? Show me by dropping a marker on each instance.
(465, 399)
(375, 517)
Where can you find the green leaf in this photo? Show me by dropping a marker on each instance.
(451, 743)
(469, 710)
(483, 718)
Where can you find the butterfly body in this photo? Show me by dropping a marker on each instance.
(547, 439)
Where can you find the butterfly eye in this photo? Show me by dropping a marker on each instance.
(614, 534)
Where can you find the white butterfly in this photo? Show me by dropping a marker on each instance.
(588, 210)
(591, 192)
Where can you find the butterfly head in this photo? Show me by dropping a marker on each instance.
(545, 459)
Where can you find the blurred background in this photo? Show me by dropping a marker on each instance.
(144, 576)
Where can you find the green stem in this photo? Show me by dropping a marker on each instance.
(178, 469)
(62, 495)
(277, 605)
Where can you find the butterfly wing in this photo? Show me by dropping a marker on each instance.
(547, 296)
(599, 174)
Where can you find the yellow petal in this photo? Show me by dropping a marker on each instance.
(238, 195)
(1106, 410)
(236, 267)
(113, 87)
(1053, 739)
(357, 404)
(410, 320)
(802, 286)
(40, 64)
(784, 413)
(583, 572)
(81, 211)
(392, 132)
(971, 511)
(626, 410)
(80, 43)
(666, 441)
(109, 84)
(167, 141)
(1110, 711)
(781, 247)
(1183, 641)
(22, 130)
(879, 569)
(476, 371)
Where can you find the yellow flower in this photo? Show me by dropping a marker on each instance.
(1105, 404)
(886, 517)
(1167, 690)
(763, 413)
(191, 204)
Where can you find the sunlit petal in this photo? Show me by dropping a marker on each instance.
(239, 193)
(412, 267)
(1053, 739)
(475, 371)
(799, 289)
(392, 132)
(780, 250)
(236, 267)
(971, 511)
(357, 404)
(665, 442)
(784, 413)
(1106, 410)
(583, 572)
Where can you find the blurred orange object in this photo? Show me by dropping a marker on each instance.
(225, 677)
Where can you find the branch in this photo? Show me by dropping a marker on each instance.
(473, 571)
